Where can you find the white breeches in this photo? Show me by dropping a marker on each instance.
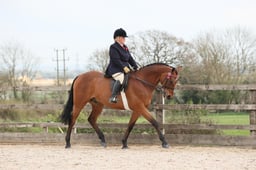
(119, 76)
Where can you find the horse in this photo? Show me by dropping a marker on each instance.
(94, 88)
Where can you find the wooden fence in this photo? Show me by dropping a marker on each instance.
(145, 138)
(236, 107)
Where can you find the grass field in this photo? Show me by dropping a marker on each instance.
(231, 118)
(223, 118)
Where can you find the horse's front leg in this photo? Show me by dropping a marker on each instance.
(131, 124)
(146, 114)
(160, 134)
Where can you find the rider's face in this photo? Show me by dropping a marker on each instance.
(122, 40)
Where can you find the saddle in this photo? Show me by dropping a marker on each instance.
(124, 85)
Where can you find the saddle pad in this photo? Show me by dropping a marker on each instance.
(124, 99)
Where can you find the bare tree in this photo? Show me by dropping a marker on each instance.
(214, 57)
(148, 47)
(3, 85)
(99, 60)
(19, 65)
(157, 46)
(242, 47)
(226, 58)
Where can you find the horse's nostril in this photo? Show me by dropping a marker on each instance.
(169, 97)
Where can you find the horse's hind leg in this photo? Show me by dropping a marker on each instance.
(75, 113)
(96, 110)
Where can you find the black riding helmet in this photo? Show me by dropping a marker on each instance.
(120, 32)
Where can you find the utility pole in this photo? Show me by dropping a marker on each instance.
(64, 59)
(58, 71)
(64, 66)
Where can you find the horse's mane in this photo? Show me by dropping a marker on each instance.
(155, 64)
(163, 64)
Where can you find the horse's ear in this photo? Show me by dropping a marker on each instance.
(179, 68)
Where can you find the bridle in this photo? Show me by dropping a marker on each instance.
(166, 83)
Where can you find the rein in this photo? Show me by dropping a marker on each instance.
(156, 87)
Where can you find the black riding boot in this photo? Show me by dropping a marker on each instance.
(115, 91)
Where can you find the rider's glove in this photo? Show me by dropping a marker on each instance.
(126, 70)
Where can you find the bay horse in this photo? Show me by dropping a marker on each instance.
(92, 87)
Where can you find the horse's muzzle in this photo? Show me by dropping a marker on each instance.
(168, 94)
(168, 97)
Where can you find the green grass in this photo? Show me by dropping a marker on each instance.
(203, 117)
(231, 118)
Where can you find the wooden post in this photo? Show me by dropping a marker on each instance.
(160, 112)
(253, 112)
(253, 121)
(75, 130)
(46, 129)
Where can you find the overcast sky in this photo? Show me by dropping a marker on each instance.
(82, 26)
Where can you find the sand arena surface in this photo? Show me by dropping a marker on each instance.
(52, 157)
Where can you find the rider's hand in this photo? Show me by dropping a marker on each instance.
(126, 70)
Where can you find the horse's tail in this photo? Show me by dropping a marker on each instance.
(65, 117)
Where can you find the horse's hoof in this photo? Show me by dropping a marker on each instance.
(68, 146)
(165, 145)
(125, 147)
(103, 144)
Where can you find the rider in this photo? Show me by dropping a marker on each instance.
(120, 62)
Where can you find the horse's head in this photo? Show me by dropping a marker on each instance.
(169, 81)
(162, 73)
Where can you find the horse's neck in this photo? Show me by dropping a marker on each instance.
(151, 75)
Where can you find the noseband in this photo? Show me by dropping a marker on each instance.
(167, 84)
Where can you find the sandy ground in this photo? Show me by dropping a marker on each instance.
(113, 157)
